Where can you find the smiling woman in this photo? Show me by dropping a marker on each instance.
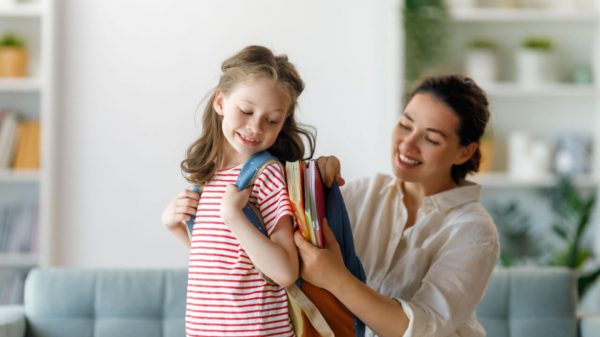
(428, 246)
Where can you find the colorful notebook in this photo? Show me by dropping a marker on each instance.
(294, 172)
(307, 195)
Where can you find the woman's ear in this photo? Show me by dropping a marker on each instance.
(218, 102)
(466, 152)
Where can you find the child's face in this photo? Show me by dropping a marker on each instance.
(425, 143)
(253, 115)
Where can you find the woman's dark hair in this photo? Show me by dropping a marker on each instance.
(470, 104)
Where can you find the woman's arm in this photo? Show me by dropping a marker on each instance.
(448, 294)
(325, 269)
(276, 256)
(178, 211)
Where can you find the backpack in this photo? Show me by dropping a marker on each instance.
(313, 311)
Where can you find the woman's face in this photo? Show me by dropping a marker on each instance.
(425, 143)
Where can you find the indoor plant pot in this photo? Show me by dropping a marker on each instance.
(481, 62)
(13, 56)
(535, 63)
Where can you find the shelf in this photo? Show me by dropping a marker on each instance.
(28, 84)
(507, 89)
(18, 260)
(21, 11)
(522, 15)
(504, 180)
(19, 176)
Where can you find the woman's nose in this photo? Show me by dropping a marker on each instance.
(409, 141)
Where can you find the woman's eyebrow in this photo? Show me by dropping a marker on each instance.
(438, 131)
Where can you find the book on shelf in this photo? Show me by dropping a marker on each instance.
(27, 150)
(307, 196)
(18, 228)
(8, 137)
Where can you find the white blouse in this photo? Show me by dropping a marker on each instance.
(437, 269)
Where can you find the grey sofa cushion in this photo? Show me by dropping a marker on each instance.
(525, 302)
(105, 303)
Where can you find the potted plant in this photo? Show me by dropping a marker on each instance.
(426, 29)
(13, 56)
(535, 62)
(481, 63)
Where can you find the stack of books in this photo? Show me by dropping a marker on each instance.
(19, 142)
(307, 194)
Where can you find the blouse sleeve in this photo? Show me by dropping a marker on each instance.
(455, 282)
(271, 195)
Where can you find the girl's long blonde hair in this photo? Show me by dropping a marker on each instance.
(253, 62)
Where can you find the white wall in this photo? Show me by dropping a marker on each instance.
(132, 74)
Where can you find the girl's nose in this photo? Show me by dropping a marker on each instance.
(254, 127)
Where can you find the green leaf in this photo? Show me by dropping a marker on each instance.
(585, 281)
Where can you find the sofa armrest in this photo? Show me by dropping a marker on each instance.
(589, 324)
(12, 321)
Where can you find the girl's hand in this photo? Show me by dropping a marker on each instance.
(321, 266)
(180, 209)
(330, 170)
(233, 201)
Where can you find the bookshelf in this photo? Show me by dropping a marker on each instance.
(25, 193)
(549, 110)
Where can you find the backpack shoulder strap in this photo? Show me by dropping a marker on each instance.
(250, 171)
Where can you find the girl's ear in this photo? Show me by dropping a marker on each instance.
(218, 102)
(466, 152)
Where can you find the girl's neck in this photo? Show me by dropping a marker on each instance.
(230, 158)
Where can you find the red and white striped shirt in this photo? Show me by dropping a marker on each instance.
(226, 295)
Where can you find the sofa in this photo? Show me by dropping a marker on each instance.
(101, 303)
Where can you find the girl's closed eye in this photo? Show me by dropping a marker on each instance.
(245, 112)
(273, 121)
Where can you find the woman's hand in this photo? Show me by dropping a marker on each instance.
(233, 201)
(321, 267)
(329, 167)
(180, 209)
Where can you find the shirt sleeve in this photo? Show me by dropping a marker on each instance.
(271, 195)
(455, 282)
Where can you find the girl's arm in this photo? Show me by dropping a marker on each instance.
(276, 257)
(178, 211)
(325, 269)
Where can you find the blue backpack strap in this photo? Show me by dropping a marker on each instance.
(252, 168)
(248, 174)
(190, 222)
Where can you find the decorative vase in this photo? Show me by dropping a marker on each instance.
(13, 62)
(486, 147)
(535, 67)
(481, 65)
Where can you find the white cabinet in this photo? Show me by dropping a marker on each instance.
(25, 195)
(547, 111)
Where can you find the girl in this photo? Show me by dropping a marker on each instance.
(250, 110)
(428, 246)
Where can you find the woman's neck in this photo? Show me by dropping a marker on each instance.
(421, 190)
